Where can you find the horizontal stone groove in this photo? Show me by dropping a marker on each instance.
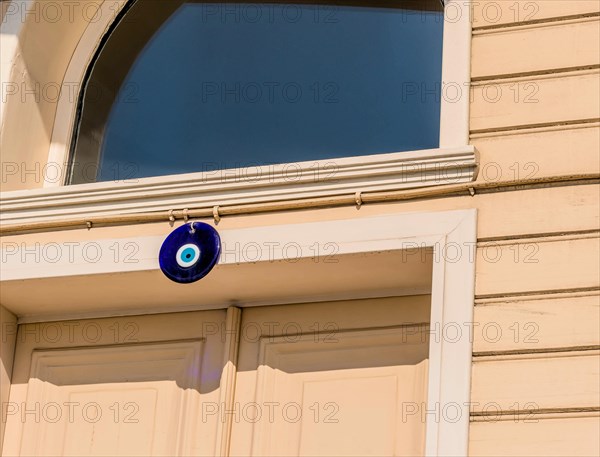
(526, 418)
(528, 298)
(587, 234)
(538, 411)
(555, 350)
(524, 77)
(536, 292)
(549, 20)
(541, 235)
(525, 127)
(527, 74)
(534, 130)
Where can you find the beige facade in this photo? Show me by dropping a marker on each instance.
(534, 121)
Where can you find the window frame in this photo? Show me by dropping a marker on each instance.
(454, 118)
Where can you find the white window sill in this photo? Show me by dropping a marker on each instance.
(304, 180)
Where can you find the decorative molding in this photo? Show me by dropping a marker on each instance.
(275, 183)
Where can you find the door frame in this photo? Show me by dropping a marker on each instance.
(450, 234)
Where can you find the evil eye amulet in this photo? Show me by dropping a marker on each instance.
(190, 252)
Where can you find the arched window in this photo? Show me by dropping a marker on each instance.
(189, 86)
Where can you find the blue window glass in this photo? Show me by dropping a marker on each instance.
(186, 86)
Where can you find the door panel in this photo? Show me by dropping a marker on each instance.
(339, 385)
(135, 391)
(333, 378)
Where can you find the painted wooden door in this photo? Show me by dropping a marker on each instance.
(118, 386)
(337, 378)
(340, 379)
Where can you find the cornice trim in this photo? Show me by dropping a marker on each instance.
(265, 184)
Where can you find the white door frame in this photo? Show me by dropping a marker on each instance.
(451, 235)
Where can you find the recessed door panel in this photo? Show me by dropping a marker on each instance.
(339, 385)
(88, 394)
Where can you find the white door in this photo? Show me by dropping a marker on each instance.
(339, 379)
(119, 386)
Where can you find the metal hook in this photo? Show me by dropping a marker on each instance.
(216, 215)
(358, 199)
(171, 218)
(186, 217)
